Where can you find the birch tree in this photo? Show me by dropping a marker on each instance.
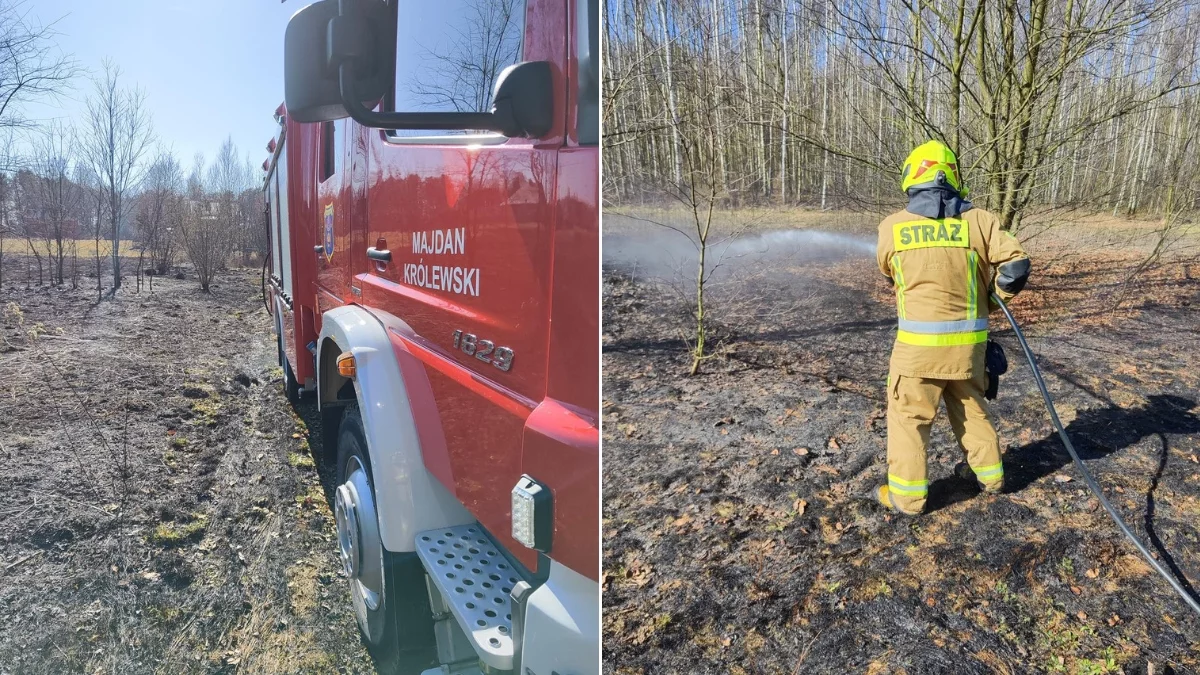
(1051, 105)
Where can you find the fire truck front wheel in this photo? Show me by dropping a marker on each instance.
(391, 603)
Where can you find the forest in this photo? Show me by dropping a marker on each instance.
(1080, 105)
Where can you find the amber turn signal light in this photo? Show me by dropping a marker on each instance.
(346, 365)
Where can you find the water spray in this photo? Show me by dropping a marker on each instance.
(1087, 476)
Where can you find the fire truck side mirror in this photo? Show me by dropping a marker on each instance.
(318, 38)
(339, 54)
(523, 102)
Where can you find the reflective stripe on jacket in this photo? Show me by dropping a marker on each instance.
(942, 270)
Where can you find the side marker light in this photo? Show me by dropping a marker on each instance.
(346, 365)
(532, 514)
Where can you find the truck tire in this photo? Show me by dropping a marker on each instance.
(291, 388)
(391, 602)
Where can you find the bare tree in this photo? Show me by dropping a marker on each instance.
(31, 67)
(699, 195)
(5, 191)
(211, 219)
(29, 223)
(156, 208)
(118, 136)
(687, 161)
(463, 70)
(195, 180)
(1050, 105)
(56, 195)
(255, 239)
(91, 212)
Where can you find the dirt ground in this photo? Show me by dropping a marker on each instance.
(735, 539)
(163, 513)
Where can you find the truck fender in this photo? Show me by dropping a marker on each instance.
(410, 499)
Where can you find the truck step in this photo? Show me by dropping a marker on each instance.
(452, 670)
(475, 581)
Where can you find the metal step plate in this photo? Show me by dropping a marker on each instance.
(448, 670)
(475, 580)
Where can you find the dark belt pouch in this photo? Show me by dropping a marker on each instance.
(995, 364)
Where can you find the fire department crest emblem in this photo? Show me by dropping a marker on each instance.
(329, 231)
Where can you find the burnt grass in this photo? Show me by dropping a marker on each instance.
(163, 512)
(736, 538)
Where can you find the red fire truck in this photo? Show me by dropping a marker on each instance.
(433, 203)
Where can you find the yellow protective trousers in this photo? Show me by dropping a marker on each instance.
(912, 405)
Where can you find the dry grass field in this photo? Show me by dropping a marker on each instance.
(163, 510)
(82, 247)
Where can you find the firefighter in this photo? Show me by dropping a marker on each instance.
(944, 258)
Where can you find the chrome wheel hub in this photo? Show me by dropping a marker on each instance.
(360, 546)
(347, 530)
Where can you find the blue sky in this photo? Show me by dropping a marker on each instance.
(210, 68)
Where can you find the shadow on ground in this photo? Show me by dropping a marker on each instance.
(1099, 432)
(1096, 433)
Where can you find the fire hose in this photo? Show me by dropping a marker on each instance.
(1087, 476)
(266, 302)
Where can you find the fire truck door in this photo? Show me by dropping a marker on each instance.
(467, 223)
(332, 246)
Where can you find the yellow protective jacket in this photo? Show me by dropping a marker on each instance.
(943, 271)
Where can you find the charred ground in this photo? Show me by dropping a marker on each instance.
(163, 512)
(734, 538)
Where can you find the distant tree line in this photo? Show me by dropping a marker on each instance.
(1050, 104)
(102, 179)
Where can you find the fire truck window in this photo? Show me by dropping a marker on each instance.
(332, 147)
(450, 52)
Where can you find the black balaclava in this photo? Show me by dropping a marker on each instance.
(937, 200)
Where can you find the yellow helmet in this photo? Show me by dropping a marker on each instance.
(926, 162)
